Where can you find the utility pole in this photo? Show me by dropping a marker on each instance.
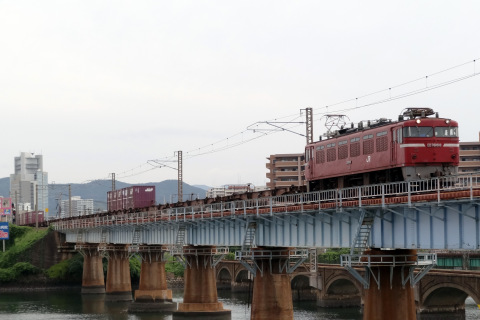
(113, 181)
(309, 125)
(70, 200)
(16, 208)
(36, 206)
(180, 176)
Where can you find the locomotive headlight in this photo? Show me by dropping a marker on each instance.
(418, 120)
(447, 121)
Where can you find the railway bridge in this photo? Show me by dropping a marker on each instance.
(440, 291)
(383, 224)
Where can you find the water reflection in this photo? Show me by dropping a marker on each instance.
(69, 305)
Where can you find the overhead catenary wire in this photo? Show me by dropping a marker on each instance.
(250, 135)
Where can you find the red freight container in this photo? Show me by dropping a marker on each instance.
(31, 217)
(131, 198)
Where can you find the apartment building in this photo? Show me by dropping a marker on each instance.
(470, 157)
(286, 170)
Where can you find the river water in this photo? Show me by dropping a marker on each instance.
(71, 305)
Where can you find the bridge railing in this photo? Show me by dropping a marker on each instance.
(291, 203)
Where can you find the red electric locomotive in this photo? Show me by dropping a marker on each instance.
(419, 145)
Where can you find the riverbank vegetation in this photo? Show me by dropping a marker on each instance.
(19, 264)
(15, 263)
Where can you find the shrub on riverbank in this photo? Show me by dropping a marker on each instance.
(21, 239)
(17, 271)
(69, 270)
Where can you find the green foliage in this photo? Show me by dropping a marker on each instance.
(174, 267)
(16, 271)
(7, 275)
(332, 256)
(58, 271)
(21, 239)
(230, 256)
(70, 270)
(135, 266)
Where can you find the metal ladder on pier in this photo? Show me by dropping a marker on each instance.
(249, 239)
(363, 233)
(180, 239)
(136, 238)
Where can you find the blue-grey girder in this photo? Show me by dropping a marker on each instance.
(450, 224)
(429, 217)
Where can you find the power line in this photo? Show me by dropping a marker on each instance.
(244, 136)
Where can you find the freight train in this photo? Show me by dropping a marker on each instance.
(419, 145)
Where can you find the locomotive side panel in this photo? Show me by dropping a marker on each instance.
(358, 153)
(419, 147)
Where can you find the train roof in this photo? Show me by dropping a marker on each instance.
(407, 114)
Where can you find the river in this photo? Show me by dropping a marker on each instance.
(71, 305)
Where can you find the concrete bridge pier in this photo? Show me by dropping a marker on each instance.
(93, 281)
(387, 297)
(200, 298)
(152, 294)
(119, 286)
(272, 293)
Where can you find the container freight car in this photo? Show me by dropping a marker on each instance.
(418, 146)
(131, 198)
(30, 218)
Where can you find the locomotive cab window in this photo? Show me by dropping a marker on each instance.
(447, 132)
(415, 132)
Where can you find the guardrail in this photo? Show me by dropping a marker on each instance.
(437, 189)
(367, 260)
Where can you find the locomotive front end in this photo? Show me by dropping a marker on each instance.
(430, 147)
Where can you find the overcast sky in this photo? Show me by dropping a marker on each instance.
(105, 86)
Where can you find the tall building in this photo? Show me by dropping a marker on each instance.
(286, 170)
(29, 183)
(80, 207)
(470, 157)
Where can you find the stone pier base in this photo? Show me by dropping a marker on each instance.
(391, 300)
(200, 300)
(118, 287)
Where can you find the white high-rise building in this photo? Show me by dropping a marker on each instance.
(80, 207)
(28, 179)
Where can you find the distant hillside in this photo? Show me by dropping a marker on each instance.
(166, 191)
(202, 186)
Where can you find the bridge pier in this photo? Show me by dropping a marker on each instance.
(152, 293)
(119, 286)
(387, 297)
(272, 293)
(93, 280)
(200, 299)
